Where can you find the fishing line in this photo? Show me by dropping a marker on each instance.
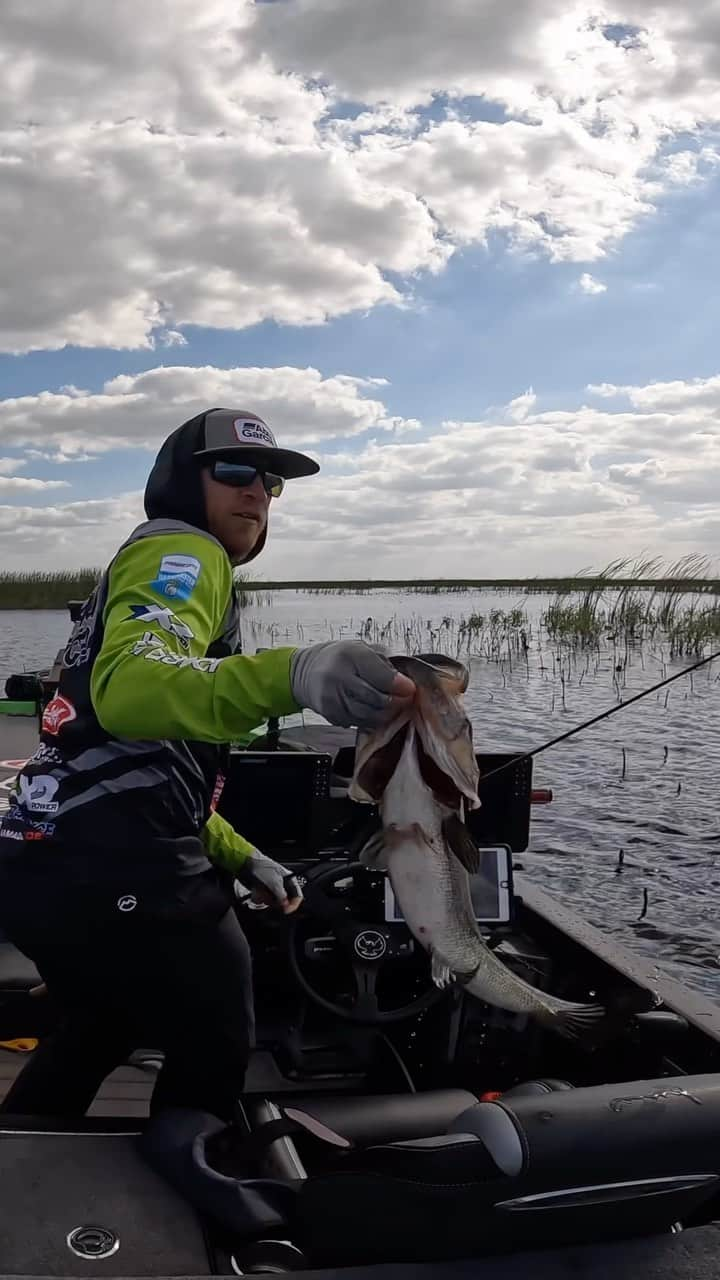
(603, 715)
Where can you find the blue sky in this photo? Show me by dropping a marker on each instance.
(583, 254)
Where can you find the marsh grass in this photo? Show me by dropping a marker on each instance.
(529, 586)
(631, 603)
(42, 590)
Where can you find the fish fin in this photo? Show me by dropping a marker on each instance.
(441, 972)
(374, 852)
(574, 1020)
(461, 843)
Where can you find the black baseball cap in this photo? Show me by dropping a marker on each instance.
(241, 436)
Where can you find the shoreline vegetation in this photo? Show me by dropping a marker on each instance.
(628, 606)
(53, 590)
(628, 603)
(38, 589)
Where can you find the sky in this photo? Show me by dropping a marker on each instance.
(463, 252)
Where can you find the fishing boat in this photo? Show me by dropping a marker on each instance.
(389, 1128)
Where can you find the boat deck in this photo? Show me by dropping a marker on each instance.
(126, 1093)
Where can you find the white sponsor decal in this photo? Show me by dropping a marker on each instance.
(128, 902)
(255, 432)
(180, 564)
(44, 755)
(37, 794)
(153, 649)
(165, 618)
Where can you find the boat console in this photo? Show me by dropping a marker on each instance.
(386, 1121)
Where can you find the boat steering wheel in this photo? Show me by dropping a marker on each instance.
(367, 946)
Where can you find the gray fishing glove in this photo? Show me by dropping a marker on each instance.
(261, 873)
(346, 681)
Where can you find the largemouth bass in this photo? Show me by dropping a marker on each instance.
(421, 771)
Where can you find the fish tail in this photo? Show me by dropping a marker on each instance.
(572, 1020)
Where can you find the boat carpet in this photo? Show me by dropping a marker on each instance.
(691, 1255)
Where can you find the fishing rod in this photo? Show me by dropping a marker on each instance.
(603, 715)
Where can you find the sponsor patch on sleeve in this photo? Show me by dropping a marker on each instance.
(165, 618)
(177, 577)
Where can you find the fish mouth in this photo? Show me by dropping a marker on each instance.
(442, 737)
(379, 768)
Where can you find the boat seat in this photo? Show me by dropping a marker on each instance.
(366, 1120)
(438, 1176)
(369, 1119)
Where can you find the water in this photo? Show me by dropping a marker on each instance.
(657, 803)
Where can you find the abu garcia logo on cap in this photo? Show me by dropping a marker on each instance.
(253, 432)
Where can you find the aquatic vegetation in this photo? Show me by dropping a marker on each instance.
(38, 589)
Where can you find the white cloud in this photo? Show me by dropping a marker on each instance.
(139, 410)
(696, 393)
(24, 484)
(520, 407)
(589, 284)
(519, 491)
(174, 164)
(172, 338)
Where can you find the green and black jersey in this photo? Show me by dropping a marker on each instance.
(133, 746)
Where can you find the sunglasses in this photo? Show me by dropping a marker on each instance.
(238, 475)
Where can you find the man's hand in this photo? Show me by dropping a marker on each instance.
(270, 882)
(348, 683)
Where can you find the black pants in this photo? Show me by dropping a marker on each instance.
(182, 985)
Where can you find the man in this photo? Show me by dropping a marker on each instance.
(109, 856)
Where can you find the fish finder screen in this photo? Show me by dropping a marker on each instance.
(490, 888)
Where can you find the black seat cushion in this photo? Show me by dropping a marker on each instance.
(387, 1117)
(364, 1120)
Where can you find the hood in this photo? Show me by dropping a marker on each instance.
(174, 487)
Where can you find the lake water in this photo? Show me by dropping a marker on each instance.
(644, 781)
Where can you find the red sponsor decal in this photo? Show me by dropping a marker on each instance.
(57, 713)
(13, 764)
(219, 784)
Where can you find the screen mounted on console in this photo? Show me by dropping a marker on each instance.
(491, 889)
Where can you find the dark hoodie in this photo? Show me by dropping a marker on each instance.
(174, 487)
